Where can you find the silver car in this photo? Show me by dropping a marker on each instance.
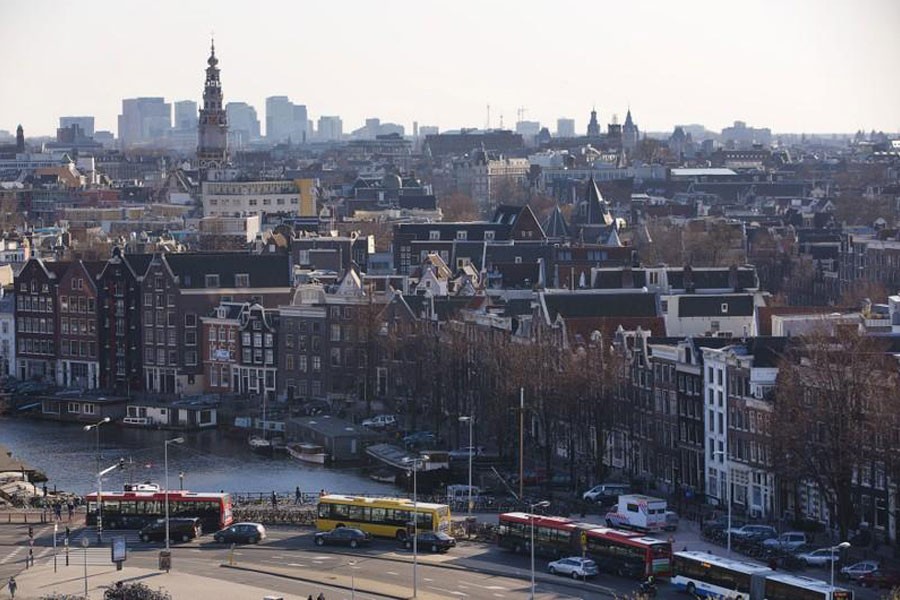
(574, 566)
(821, 557)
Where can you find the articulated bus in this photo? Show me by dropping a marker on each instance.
(133, 510)
(706, 575)
(625, 553)
(383, 517)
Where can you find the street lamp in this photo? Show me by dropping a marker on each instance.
(100, 475)
(352, 564)
(541, 504)
(839, 547)
(415, 463)
(181, 480)
(99, 498)
(471, 421)
(178, 440)
(728, 484)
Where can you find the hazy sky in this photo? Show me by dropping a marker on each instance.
(792, 65)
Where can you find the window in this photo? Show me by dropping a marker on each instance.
(289, 362)
(289, 340)
(316, 364)
(245, 338)
(190, 320)
(434, 235)
(462, 235)
(242, 280)
(212, 281)
(190, 338)
(190, 358)
(489, 236)
(270, 340)
(303, 257)
(302, 364)
(335, 333)
(724, 308)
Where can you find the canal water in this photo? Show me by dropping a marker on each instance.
(209, 461)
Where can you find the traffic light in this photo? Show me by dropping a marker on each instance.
(30, 531)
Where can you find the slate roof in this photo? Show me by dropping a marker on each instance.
(587, 305)
(737, 305)
(614, 279)
(265, 270)
(713, 278)
(420, 202)
(555, 225)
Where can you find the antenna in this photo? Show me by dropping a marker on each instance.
(501, 120)
(520, 113)
(487, 124)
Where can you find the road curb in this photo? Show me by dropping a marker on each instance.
(358, 587)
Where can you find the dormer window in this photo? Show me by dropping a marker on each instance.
(724, 308)
(242, 280)
(212, 281)
(462, 235)
(434, 235)
(489, 236)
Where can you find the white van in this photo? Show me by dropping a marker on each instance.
(458, 495)
(636, 511)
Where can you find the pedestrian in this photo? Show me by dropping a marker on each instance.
(297, 495)
(309, 597)
(44, 488)
(71, 507)
(30, 558)
(274, 499)
(321, 596)
(57, 510)
(13, 586)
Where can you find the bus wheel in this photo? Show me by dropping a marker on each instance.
(691, 588)
(401, 535)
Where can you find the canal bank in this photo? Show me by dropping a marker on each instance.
(207, 461)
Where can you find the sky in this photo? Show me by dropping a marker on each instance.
(801, 66)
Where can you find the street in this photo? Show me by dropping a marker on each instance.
(288, 562)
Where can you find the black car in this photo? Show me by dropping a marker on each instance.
(180, 529)
(433, 541)
(343, 536)
(241, 533)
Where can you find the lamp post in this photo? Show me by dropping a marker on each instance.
(839, 547)
(415, 463)
(100, 475)
(728, 484)
(99, 497)
(541, 504)
(181, 480)
(178, 440)
(471, 421)
(352, 564)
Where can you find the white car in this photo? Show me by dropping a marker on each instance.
(859, 569)
(380, 422)
(574, 566)
(790, 541)
(821, 557)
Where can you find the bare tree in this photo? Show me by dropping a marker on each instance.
(836, 406)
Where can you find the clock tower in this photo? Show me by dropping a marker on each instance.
(212, 130)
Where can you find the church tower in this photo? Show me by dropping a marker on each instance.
(593, 128)
(20, 139)
(630, 133)
(212, 149)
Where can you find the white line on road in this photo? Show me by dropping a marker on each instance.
(395, 573)
(446, 591)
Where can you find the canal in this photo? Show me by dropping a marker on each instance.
(209, 461)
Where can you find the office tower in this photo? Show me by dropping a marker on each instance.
(85, 123)
(286, 120)
(330, 128)
(243, 124)
(144, 120)
(186, 117)
(565, 128)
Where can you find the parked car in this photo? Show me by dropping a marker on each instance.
(753, 532)
(241, 533)
(606, 493)
(672, 521)
(465, 452)
(419, 438)
(721, 524)
(857, 570)
(181, 529)
(343, 536)
(574, 566)
(380, 422)
(434, 541)
(790, 541)
(821, 557)
(881, 579)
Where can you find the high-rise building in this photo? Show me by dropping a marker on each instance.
(186, 117)
(565, 128)
(144, 120)
(286, 120)
(212, 149)
(330, 128)
(243, 124)
(85, 123)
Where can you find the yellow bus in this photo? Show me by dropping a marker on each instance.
(383, 517)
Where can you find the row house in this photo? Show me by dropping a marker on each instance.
(79, 364)
(36, 320)
(180, 289)
(220, 351)
(327, 346)
(7, 332)
(738, 382)
(257, 366)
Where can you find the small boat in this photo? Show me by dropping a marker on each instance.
(383, 476)
(260, 445)
(311, 453)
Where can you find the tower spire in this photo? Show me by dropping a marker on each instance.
(212, 128)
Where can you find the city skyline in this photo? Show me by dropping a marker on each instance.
(443, 67)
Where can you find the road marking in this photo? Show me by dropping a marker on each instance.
(451, 592)
(295, 565)
(9, 556)
(391, 573)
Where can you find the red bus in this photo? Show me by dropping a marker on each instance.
(625, 553)
(133, 510)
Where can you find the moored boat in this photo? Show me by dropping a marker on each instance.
(311, 453)
(260, 445)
